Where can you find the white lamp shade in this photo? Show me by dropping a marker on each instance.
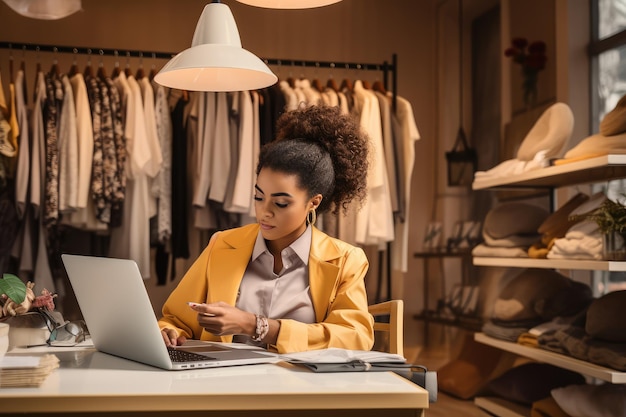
(289, 4)
(216, 61)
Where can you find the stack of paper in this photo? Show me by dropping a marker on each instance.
(26, 371)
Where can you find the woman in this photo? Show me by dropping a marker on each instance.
(282, 282)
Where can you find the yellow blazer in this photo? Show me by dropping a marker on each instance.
(336, 278)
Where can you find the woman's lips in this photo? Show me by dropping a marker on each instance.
(266, 226)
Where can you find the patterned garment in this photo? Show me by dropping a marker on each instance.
(97, 176)
(51, 115)
(118, 178)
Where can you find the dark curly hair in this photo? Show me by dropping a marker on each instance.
(326, 150)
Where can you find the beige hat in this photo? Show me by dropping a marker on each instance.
(550, 133)
(614, 122)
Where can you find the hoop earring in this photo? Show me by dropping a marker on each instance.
(311, 217)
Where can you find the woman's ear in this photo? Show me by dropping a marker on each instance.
(315, 201)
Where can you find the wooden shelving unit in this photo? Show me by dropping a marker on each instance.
(594, 170)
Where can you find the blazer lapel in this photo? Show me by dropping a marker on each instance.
(323, 273)
(229, 263)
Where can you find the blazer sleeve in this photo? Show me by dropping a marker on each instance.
(347, 324)
(193, 286)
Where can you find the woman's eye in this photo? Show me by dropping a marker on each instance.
(257, 198)
(282, 205)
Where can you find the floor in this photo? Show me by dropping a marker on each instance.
(442, 347)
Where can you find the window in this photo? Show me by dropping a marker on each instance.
(608, 57)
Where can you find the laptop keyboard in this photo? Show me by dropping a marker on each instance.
(178, 355)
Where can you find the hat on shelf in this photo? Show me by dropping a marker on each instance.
(515, 218)
(540, 293)
(601, 323)
(594, 146)
(614, 122)
(550, 133)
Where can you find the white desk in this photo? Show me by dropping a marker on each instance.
(92, 382)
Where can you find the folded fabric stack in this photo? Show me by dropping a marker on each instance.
(583, 240)
(600, 339)
(610, 140)
(547, 139)
(510, 229)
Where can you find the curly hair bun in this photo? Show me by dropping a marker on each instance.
(339, 136)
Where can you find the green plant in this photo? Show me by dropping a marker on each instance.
(610, 216)
(13, 287)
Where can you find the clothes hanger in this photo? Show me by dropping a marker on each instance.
(74, 68)
(140, 73)
(317, 84)
(11, 67)
(378, 86)
(88, 69)
(101, 71)
(116, 69)
(346, 83)
(332, 84)
(152, 68)
(127, 69)
(54, 69)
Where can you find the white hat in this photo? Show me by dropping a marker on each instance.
(45, 9)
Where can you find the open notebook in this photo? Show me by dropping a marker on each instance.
(121, 321)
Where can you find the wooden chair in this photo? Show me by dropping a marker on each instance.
(394, 327)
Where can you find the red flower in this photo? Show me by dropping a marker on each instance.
(532, 57)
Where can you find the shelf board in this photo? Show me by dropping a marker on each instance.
(599, 169)
(501, 407)
(572, 264)
(562, 361)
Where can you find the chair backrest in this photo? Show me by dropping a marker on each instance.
(394, 327)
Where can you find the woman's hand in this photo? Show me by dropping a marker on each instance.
(171, 338)
(222, 319)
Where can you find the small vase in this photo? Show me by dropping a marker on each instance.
(614, 246)
(529, 86)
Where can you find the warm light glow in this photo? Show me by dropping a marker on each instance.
(216, 61)
(289, 4)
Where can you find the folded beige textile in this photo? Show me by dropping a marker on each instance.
(614, 122)
(551, 133)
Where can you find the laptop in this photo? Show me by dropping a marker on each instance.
(116, 307)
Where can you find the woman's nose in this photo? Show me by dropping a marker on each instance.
(263, 210)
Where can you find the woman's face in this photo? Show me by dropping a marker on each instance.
(281, 207)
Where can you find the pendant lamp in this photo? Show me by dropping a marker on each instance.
(289, 4)
(216, 61)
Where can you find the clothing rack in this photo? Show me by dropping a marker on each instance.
(388, 70)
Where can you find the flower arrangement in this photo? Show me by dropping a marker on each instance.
(532, 58)
(17, 298)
